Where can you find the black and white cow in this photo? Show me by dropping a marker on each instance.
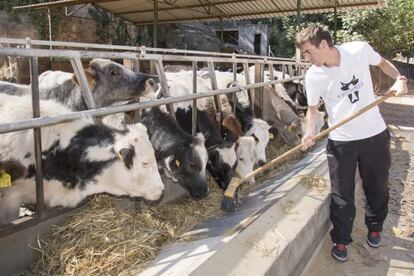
(222, 158)
(254, 127)
(79, 159)
(109, 82)
(182, 156)
(246, 155)
(13, 168)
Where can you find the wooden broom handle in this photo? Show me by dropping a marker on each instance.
(318, 136)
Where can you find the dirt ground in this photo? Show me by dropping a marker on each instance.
(395, 256)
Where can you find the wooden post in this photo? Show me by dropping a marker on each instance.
(258, 98)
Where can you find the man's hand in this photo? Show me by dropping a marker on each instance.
(308, 141)
(400, 86)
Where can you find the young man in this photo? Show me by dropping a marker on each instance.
(340, 76)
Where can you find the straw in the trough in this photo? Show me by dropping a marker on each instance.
(314, 182)
(103, 239)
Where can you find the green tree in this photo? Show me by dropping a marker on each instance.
(389, 30)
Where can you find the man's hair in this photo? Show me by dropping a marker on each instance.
(313, 34)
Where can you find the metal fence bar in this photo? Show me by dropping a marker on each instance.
(261, 90)
(121, 55)
(164, 85)
(130, 48)
(250, 92)
(68, 44)
(194, 115)
(234, 97)
(51, 120)
(290, 70)
(132, 53)
(37, 137)
(213, 81)
(83, 83)
(272, 74)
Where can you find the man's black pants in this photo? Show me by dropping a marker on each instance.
(372, 156)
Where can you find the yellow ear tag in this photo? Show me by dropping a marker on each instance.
(119, 156)
(177, 162)
(271, 136)
(5, 180)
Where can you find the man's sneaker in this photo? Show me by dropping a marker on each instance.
(374, 239)
(340, 252)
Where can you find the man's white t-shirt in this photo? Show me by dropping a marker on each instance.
(345, 89)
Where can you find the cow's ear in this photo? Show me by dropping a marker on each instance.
(127, 155)
(91, 78)
(255, 138)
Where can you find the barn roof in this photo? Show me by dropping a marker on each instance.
(172, 11)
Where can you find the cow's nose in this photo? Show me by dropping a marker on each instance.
(261, 162)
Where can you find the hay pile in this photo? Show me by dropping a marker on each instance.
(103, 239)
(275, 148)
(314, 182)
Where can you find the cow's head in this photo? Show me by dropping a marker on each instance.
(136, 172)
(222, 161)
(232, 129)
(111, 82)
(292, 133)
(187, 166)
(260, 129)
(247, 156)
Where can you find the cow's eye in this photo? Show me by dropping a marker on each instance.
(145, 164)
(241, 159)
(114, 73)
(194, 167)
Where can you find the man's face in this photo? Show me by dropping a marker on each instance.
(313, 54)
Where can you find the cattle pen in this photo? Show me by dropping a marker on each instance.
(133, 57)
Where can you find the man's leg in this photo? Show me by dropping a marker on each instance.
(374, 165)
(342, 161)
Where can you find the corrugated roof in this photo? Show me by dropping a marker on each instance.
(170, 11)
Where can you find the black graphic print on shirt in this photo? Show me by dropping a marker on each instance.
(352, 89)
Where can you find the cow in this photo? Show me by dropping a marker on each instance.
(108, 81)
(292, 92)
(278, 108)
(288, 124)
(252, 126)
(79, 158)
(13, 168)
(246, 151)
(182, 156)
(181, 84)
(222, 158)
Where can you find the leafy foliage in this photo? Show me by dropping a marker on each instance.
(389, 29)
(38, 17)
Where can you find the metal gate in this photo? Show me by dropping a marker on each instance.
(35, 49)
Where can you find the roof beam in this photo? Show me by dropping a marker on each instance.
(186, 7)
(60, 3)
(293, 11)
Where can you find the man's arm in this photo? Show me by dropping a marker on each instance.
(388, 68)
(400, 85)
(311, 121)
